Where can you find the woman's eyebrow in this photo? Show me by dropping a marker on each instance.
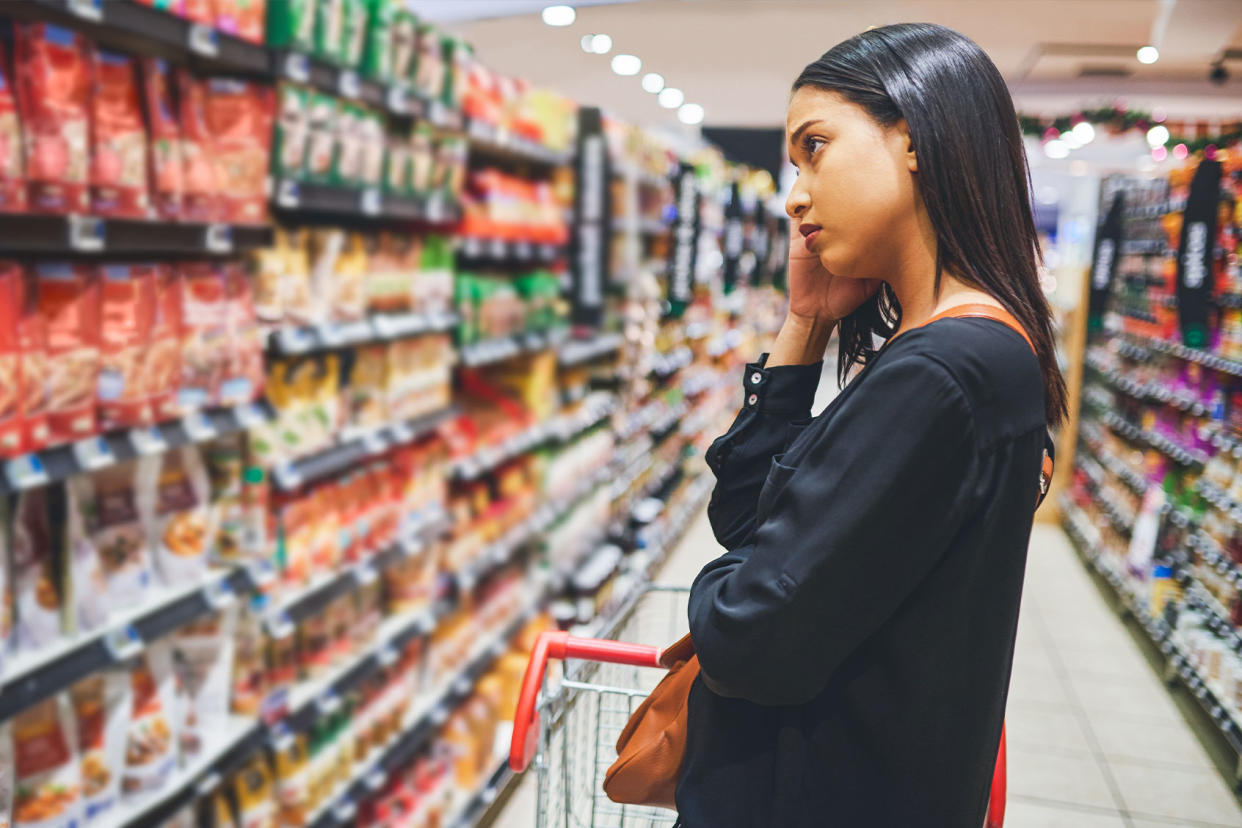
(793, 139)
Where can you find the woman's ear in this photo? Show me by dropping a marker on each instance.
(912, 161)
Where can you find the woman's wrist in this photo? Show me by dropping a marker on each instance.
(801, 340)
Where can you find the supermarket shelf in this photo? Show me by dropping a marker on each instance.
(1208, 360)
(307, 199)
(290, 475)
(30, 679)
(492, 144)
(1228, 300)
(504, 253)
(506, 347)
(137, 29)
(1147, 392)
(665, 365)
(476, 807)
(1197, 597)
(78, 235)
(1215, 557)
(1133, 480)
(578, 351)
(1181, 456)
(642, 176)
(1217, 496)
(94, 453)
(291, 340)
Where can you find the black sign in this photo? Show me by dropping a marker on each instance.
(734, 237)
(1104, 263)
(685, 242)
(1196, 253)
(592, 229)
(780, 254)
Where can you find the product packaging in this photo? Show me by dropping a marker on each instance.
(300, 306)
(377, 62)
(112, 502)
(292, 779)
(322, 152)
(52, 76)
(84, 589)
(329, 29)
(35, 377)
(404, 44)
(102, 704)
(48, 790)
(127, 313)
(151, 744)
(69, 303)
(422, 158)
(201, 194)
(178, 521)
(293, 131)
(238, 116)
(430, 73)
(225, 461)
(371, 134)
(12, 288)
(203, 658)
(164, 163)
(204, 335)
(253, 789)
(118, 138)
(12, 164)
(37, 601)
(397, 168)
(241, 18)
(162, 357)
(198, 11)
(354, 33)
(291, 24)
(249, 669)
(348, 169)
(242, 379)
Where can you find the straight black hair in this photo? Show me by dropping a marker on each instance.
(973, 176)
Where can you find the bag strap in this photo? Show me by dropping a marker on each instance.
(978, 310)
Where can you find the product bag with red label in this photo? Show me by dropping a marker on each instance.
(243, 18)
(102, 705)
(204, 335)
(48, 790)
(52, 74)
(69, 303)
(127, 314)
(243, 373)
(12, 164)
(151, 747)
(239, 118)
(35, 377)
(164, 164)
(118, 138)
(11, 289)
(162, 369)
(201, 193)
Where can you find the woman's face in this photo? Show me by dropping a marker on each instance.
(855, 200)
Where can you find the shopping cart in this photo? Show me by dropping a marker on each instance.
(570, 731)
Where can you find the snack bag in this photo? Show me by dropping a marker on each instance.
(112, 502)
(377, 63)
(299, 301)
(238, 116)
(291, 24)
(12, 165)
(429, 75)
(204, 335)
(348, 171)
(35, 380)
(37, 600)
(241, 18)
(118, 138)
(322, 147)
(199, 11)
(354, 36)
(243, 371)
(329, 29)
(203, 659)
(177, 523)
(102, 704)
(48, 793)
(201, 194)
(292, 139)
(371, 132)
(12, 289)
(151, 743)
(164, 163)
(52, 75)
(69, 303)
(422, 159)
(398, 160)
(162, 357)
(225, 460)
(85, 585)
(253, 787)
(128, 313)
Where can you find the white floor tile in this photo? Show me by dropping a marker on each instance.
(1023, 814)
(1071, 780)
(1176, 793)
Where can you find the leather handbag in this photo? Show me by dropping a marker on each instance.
(652, 746)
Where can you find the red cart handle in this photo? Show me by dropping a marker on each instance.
(562, 645)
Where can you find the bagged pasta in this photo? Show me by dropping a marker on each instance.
(162, 369)
(201, 193)
(164, 149)
(177, 522)
(102, 704)
(151, 739)
(111, 502)
(12, 165)
(48, 789)
(118, 138)
(69, 304)
(238, 117)
(204, 335)
(36, 577)
(12, 286)
(35, 383)
(203, 660)
(127, 312)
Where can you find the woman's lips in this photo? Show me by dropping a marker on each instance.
(809, 238)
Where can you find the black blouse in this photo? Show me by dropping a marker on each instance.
(857, 636)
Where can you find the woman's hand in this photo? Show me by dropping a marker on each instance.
(814, 293)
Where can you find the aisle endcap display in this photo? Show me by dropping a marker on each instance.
(23, 234)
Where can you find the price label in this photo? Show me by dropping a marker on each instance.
(202, 40)
(348, 84)
(86, 233)
(199, 426)
(365, 574)
(218, 594)
(401, 433)
(123, 643)
(280, 626)
(440, 715)
(218, 238)
(522, 250)
(375, 780)
(398, 99)
(331, 335)
(208, 784)
(288, 194)
(261, 573)
(294, 340)
(410, 547)
(250, 415)
(148, 440)
(287, 476)
(386, 657)
(25, 472)
(370, 202)
(93, 453)
(87, 9)
(498, 249)
(435, 207)
(344, 812)
(374, 443)
(297, 67)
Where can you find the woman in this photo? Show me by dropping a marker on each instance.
(856, 638)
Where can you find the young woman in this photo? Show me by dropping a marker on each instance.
(856, 638)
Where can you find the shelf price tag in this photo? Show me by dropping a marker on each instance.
(87, 9)
(93, 453)
(218, 594)
(435, 207)
(398, 99)
(86, 233)
(522, 250)
(287, 194)
(401, 433)
(344, 812)
(497, 249)
(208, 784)
(347, 83)
(202, 40)
(148, 440)
(294, 340)
(297, 67)
(261, 574)
(218, 238)
(199, 426)
(279, 626)
(370, 202)
(365, 574)
(25, 472)
(250, 415)
(123, 643)
(287, 476)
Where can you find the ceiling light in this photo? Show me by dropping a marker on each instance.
(559, 15)
(690, 113)
(1056, 149)
(1148, 54)
(1084, 132)
(1158, 136)
(653, 83)
(601, 44)
(626, 65)
(1071, 140)
(588, 44)
(671, 97)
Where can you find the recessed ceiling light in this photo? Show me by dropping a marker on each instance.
(1157, 136)
(626, 65)
(671, 97)
(559, 15)
(1056, 148)
(1148, 54)
(690, 113)
(1084, 131)
(601, 44)
(653, 83)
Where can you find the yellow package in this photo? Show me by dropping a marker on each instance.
(253, 789)
(293, 781)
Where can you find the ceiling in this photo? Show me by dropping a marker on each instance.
(737, 58)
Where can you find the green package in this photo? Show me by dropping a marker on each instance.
(371, 135)
(404, 45)
(291, 140)
(321, 145)
(397, 164)
(463, 290)
(348, 169)
(422, 153)
(354, 14)
(291, 24)
(377, 62)
(330, 30)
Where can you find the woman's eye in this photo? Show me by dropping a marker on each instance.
(812, 145)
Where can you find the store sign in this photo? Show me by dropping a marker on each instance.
(592, 222)
(1104, 263)
(685, 242)
(1196, 253)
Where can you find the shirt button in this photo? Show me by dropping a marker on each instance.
(756, 378)
(752, 399)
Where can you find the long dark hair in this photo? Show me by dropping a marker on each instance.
(972, 174)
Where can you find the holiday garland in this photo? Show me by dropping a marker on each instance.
(1117, 121)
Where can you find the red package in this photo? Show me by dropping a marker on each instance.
(239, 118)
(127, 311)
(205, 344)
(163, 354)
(53, 85)
(69, 302)
(10, 360)
(199, 11)
(200, 197)
(164, 149)
(12, 168)
(35, 378)
(118, 139)
(242, 18)
(243, 369)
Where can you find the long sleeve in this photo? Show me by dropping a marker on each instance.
(777, 404)
(843, 536)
